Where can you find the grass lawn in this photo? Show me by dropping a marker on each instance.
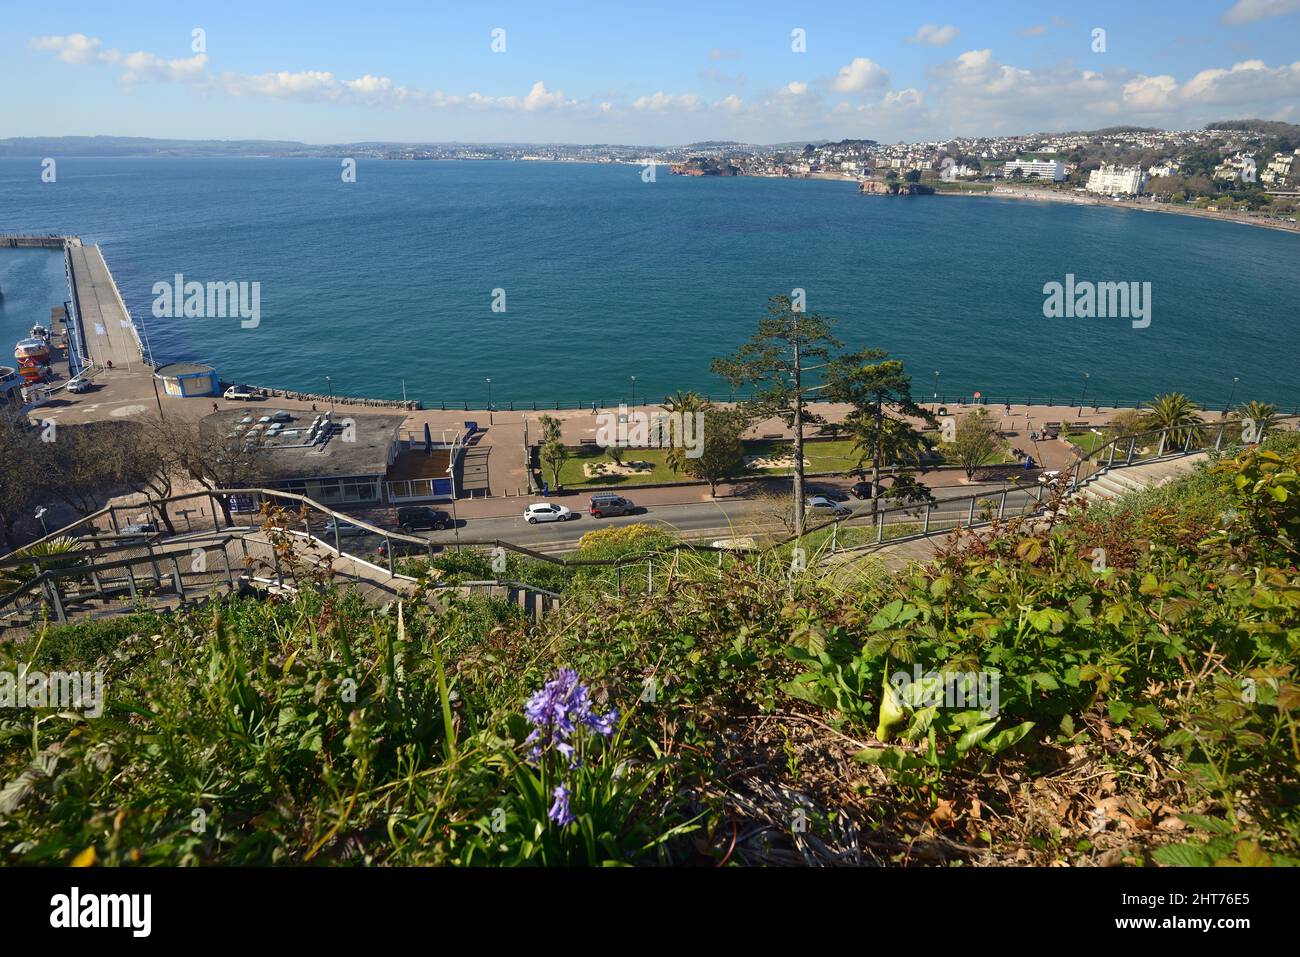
(941, 186)
(1003, 455)
(834, 455)
(1088, 441)
(830, 456)
(573, 475)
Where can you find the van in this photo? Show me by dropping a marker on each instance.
(607, 503)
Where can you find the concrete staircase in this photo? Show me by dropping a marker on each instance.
(1111, 485)
(1119, 482)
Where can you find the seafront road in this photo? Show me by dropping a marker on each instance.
(494, 507)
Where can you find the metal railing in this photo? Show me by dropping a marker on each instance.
(1063, 399)
(116, 550)
(1170, 442)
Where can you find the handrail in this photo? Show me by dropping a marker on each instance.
(1192, 429)
(874, 517)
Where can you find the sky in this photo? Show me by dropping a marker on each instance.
(663, 73)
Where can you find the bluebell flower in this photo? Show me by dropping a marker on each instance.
(557, 711)
(559, 812)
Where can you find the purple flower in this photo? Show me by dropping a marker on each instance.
(559, 812)
(558, 710)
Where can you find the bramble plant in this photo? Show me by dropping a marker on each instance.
(1145, 708)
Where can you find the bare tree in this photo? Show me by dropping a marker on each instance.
(219, 460)
(20, 466)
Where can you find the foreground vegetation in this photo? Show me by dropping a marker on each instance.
(1144, 655)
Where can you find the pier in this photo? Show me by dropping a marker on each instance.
(38, 242)
(105, 331)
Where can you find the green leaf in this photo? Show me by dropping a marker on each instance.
(1182, 855)
(974, 736)
(1211, 825)
(892, 615)
(1007, 737)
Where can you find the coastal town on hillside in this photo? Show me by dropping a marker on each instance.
(1242, 166)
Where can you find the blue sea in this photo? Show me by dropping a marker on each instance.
(390, 281)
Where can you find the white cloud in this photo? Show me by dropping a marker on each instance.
(971, 93)
(1150, 92)
(307, 85)
(662, 101)
(540, 98)
(860, 76)
(910, 97)
(145, 66)
(1249, 11)
(1247, 82)
(1037, 30)
(76, 48)
(934, 36)
(717, 76)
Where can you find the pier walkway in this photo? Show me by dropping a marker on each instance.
(109, 334)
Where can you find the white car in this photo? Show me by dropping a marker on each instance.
(77, 386)
(239, 393)
(546, 512)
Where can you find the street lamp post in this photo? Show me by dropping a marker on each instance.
(330, 383)
(634, 392)
(455, 519)
(489, 388)
(40, 514)
(1085, 393)
(936, 387)
(1231, 395)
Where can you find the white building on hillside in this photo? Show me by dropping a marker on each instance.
(1117, 180)
(1035, 169)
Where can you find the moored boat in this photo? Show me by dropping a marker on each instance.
(33, 357)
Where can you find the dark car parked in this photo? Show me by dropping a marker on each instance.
(609, 504)
(404, 549)
(411, 518)
(863, 489)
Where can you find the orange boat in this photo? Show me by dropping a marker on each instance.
(33, 357)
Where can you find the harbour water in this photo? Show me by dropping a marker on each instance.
(393, 279)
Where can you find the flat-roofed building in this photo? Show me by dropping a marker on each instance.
(1053, 170)
(336, 459)
(1117, 180)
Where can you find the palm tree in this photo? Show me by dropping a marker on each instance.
(685, 403)
(46, 555)
(1175, 411)
(1257, 419)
